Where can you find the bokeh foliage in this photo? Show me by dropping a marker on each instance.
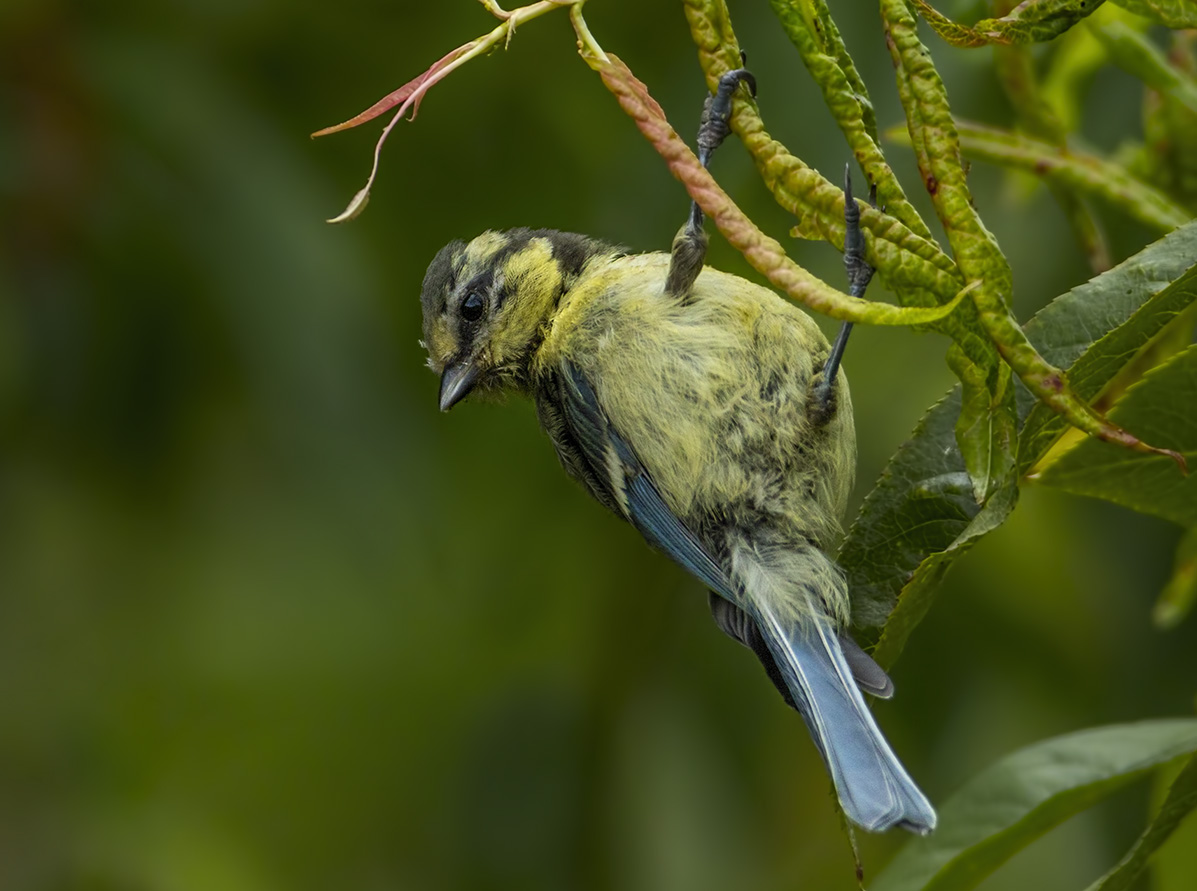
(268, 620)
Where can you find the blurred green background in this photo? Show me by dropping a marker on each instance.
(268, 620)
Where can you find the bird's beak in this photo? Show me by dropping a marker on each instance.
(456, 381)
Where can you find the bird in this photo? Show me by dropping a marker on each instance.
(714, 417)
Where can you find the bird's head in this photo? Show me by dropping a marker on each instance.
(488, 303)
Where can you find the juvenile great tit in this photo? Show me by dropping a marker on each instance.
(710, 414)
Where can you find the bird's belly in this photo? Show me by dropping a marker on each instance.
(715, 415)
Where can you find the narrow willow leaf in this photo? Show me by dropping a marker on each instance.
(1177, 599)
(1173, 13)
(1095, 329)
(912, 266)
(763, 253)
(408, 97)
(1161, 405)
(1181, 801)
(1072, 169)
(813, 32)
(1035, 21)
(1015, 801)
(985, 427)
(922, 505)
(1135, 54)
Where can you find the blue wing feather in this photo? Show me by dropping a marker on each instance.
(633, 487)
(872, 786)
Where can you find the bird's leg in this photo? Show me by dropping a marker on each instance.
(859, 274)
(690, 244)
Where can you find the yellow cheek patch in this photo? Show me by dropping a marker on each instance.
(442, 344)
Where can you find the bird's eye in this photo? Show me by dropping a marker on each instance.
(472, 307)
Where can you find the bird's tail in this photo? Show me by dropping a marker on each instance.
(874, 789)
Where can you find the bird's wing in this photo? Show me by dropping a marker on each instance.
(626, 483)
(614, 462)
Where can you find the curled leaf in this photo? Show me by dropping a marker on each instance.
(353, 210)
(406, 95)
(814, 33)
(911, 265)
(1075, 170)
(1172, 13)
(765, 254)
(1035, 21)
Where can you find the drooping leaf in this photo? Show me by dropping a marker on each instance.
(1177, 599)
(765, 254)
(1173, 13)
(1162, 406)
(1096, 328)
(1181, 800)
(986, 424)
(1013, 802)
(1073, 169)
(923, 506)
(813, 32)
(919, 593)
(408, 97)
(1175, 863)
(920, 506)
(1035, 21)
(913, 266)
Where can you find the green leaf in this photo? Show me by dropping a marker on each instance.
(1074, 170)
(813, 32)
(922, 506)
(1011, 803)
(1175, 864)
(763, 253)
(1095, 329)
(1181, 800)
(1173, 13)
(1178, 596)
(920, 591)
(985, 426)
(1035, 21)
(914, 267)
(1161, 406)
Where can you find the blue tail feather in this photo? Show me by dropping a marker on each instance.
(874, 789)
